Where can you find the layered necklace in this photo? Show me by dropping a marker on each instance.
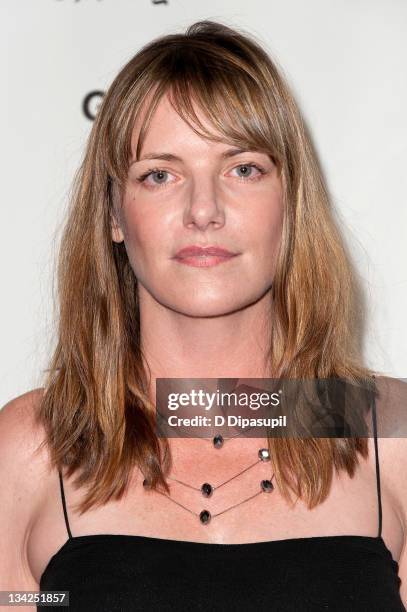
(207, 489)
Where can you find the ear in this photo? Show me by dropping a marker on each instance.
(117, 234)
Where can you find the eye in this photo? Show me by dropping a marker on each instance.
(248, 171)
(161, 175)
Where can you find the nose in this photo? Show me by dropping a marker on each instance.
(203, 205)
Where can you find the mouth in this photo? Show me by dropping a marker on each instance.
(205, 261)
(204, 257)
(195, 249)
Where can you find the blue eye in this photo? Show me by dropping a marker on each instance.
(162, 174)
(251, 166)
(152, 171)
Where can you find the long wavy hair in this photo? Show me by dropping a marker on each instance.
(95, 408)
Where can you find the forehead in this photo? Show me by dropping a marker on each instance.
(167, 127)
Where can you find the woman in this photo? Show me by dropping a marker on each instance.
(198, 143)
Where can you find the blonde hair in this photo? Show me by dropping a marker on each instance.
(96, 409)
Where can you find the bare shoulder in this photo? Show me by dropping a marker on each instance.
(24, 472)
(393, 465)
(391, 414)
(20, 433)
(392, 446)
(19, 411)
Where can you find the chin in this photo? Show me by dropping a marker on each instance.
(207, 308)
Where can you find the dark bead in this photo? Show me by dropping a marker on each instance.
(264, 454)
(207, 489)
(146, 484)
(267, 485)
(205, 517)
(218, 441)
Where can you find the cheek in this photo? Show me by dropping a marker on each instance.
(266, 225)
(145, 236)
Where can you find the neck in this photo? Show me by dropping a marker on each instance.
(234, 345)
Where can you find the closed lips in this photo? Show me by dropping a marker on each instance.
(193, 251)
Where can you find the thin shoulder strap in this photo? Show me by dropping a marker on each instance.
(379, 498)
(64, 505)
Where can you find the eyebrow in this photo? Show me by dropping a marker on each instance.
(171, 157)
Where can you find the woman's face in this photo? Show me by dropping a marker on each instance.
(203, 196)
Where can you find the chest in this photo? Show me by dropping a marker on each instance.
(241, 511)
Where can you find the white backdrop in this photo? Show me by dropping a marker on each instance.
(345, 60)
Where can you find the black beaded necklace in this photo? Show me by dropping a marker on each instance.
(206, 489)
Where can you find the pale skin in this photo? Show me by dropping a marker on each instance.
(195, 323)
(192, 317)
